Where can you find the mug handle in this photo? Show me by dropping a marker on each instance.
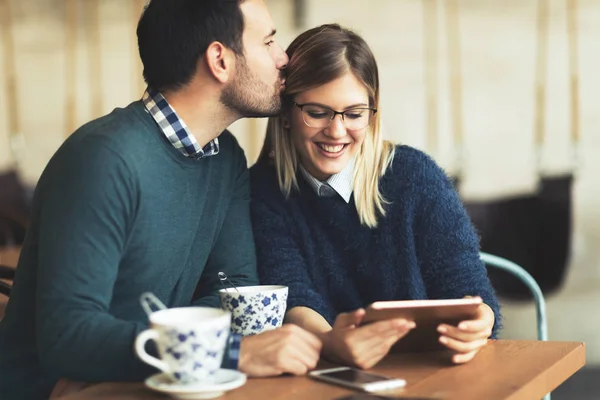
(140, 343)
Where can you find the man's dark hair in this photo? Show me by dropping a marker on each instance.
(174, 34)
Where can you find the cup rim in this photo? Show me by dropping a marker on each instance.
(217, 316)
(253, 289)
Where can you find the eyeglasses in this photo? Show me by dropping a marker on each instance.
(354, 119)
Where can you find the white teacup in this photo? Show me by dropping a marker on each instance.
(191, 342)
(255, 309)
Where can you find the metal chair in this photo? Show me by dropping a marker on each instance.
(524, 276)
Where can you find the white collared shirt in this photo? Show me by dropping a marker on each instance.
(340, 183)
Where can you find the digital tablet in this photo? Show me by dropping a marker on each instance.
(427, 315)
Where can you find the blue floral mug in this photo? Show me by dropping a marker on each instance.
(191, 342)
(255, 309)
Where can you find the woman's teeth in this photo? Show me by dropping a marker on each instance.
(331, 149)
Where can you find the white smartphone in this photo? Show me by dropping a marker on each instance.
(357, 379)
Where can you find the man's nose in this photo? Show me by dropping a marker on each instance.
(282, 59)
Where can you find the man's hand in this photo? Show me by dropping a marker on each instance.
(468, 337)
(363, 346)
(289, 349)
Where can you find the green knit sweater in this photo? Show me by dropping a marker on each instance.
(117, 212)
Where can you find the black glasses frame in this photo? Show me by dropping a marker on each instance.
(301, 107)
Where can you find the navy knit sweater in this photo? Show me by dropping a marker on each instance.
(424, 248)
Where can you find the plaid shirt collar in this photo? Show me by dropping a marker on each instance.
(175, 128)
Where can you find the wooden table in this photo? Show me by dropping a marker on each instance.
(505, 369)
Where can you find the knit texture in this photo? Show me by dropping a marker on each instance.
(424, 248)
(118, 212)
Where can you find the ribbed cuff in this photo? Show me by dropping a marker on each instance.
(232, 353)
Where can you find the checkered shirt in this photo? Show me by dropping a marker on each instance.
(175, 128)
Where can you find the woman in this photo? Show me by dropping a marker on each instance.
(345, 218)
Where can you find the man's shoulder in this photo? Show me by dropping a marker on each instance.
(99, 148)
(230, 147)
(120, 130)
(228, 139)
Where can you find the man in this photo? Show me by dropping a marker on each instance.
(153, 197)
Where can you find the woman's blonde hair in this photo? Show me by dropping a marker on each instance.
(318, 56)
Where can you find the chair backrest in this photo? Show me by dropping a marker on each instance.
(14, 209)
(6, 273)
(524, 276)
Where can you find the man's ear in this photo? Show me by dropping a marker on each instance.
(219, 61)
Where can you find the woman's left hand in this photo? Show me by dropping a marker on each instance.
(468, 337)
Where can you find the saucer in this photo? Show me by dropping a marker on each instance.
(225, 379)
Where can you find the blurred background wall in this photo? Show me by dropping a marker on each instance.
(78, 62)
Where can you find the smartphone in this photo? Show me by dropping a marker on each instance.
(357, 379)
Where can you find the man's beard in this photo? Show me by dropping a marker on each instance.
(247, 96)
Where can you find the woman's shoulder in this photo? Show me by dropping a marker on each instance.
(412, 170)
(410, 164)
(411, 157)
(262, 168)
(263, 180)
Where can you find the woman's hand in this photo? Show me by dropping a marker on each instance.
(468, 337)
(366, 345)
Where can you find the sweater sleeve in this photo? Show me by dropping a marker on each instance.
(88, 204)
(233, 252)
(446, 243)
(279, 257)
